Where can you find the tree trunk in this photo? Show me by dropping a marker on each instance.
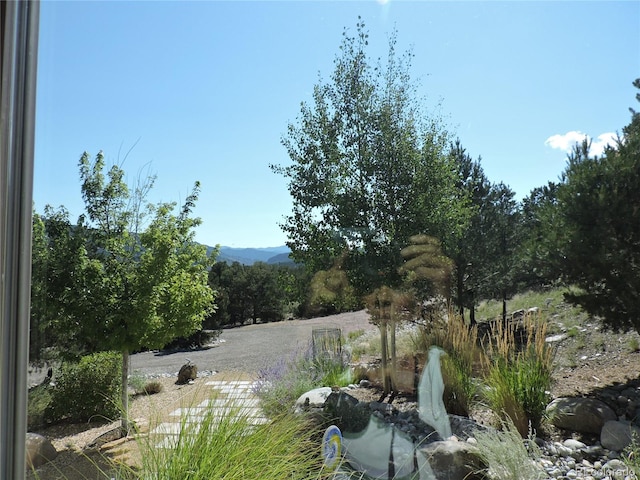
(472, 310)
(124, 420)
(394, 363)
(460, 292)
(504, 307)
(385, 356)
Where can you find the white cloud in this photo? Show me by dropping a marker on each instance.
(567, 141)
(604, 139)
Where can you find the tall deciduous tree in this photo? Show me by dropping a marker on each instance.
(116, 286)
(599, 203)
(368, 169)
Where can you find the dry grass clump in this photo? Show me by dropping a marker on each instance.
(462, 363)
(152, 387)
(519, 367)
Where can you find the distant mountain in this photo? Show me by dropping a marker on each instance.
(248, 256)
(281, 258)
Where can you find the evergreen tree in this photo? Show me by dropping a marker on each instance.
(599, 205)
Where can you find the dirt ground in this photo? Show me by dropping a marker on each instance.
(587, 360)
(240, 354)
(250, 348)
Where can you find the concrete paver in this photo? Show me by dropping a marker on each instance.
(229, 397)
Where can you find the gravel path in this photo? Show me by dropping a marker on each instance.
(249, 348)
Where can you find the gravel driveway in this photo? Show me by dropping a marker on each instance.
(249, 348)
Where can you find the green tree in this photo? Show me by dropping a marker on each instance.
(56, 257)
(38, 289)
(541, 228)
(368, 169)
(266, 300)
(502, 239)
(248, 292)
(122, 287)
(599, 201)
(469, 251)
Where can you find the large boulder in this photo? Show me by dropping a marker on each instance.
(39, 450)
(578, 414)
(347, 412)
(312, 399)
(188, 372)
(617, 435)
(453, 460)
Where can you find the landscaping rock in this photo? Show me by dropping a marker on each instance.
(617, 435)
(39, 450)
(453, 460)
(312, 399)
(188, 372)
(346, 412)
(577, 414)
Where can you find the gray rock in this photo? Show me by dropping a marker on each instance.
(556, 338)
(577, 414)
(312, 399)
(39, 450)
(573, 444)
(614, 464)
(617, 435)
(345, 410)
(452, 460)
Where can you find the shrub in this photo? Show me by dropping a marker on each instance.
(136, 382)
(38, 400)
(142, 386)
(88, 389)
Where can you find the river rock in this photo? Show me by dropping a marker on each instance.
(577, 414)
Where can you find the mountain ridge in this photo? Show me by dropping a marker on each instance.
(250, 255)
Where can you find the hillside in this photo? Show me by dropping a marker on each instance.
(249, 256)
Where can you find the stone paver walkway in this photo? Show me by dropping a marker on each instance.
(229, 397)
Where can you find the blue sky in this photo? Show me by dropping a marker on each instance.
(205, 90)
